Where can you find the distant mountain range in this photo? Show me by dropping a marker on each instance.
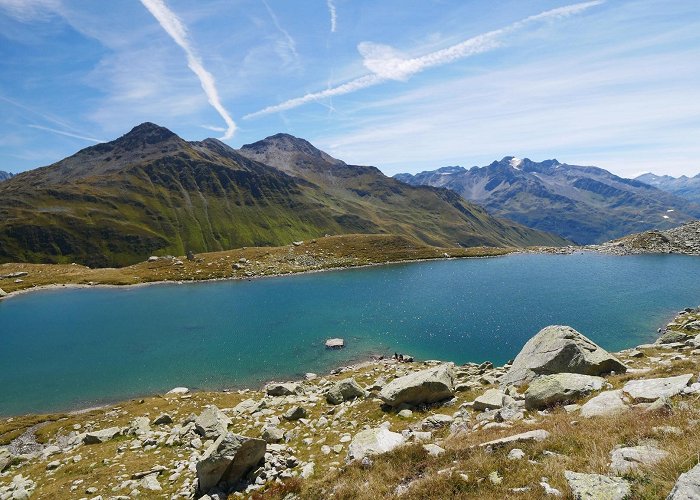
(683, 186)
(581, 203)
(5, 175)
(150, 191)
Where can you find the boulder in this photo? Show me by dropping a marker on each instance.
(597, 487)
(272, 434)
(211, 423)
(493, 399)
(560, 388)
(436, 422)
(295, 413)
(373, 442)
(425, 386)
(687, 486)
(283, 389)
(335, 343)
(560, 349)
(163, 419)
(525, 437)
(228, 460)
(671, 337)
(344, 390)
(5, 459)
(605, 403)
(140, 426)
(3, 293)
(649, 390)
(178, 390)
(101, 436)
(624, 460)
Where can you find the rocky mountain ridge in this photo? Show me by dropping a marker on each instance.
(151, 192)
(582, 203)
(571, 426)
(5, 175)
(683, 186)
(684, 239)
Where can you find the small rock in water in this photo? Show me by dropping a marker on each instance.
(335, 343)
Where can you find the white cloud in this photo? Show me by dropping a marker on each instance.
(334, 15)
(30, 10)
(386, 63)
(174, 27)
(213, 128)
(67, 134)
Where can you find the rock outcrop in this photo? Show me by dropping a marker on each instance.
(425, 386)
(228, 460)
(560, 349)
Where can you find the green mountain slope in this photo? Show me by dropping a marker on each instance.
(152, 192)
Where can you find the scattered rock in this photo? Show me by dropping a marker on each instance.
(516, 454)
(163, 419)
(373, 442)
(624, 460)
(101, 436)
(433, 449)
(295, 413)
(272, 434)
(605, 403)
(597, 487)
(649, 390)
(425, 386)
(228, 460)
(525, 437)
(178, 390)
(436, 421)
(283, 389)
(492, 399)
(671, 337)
(211, 423)
(344, 390)
(687, 486)
(560, 388)
(560, 349)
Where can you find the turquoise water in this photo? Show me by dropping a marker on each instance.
(61, 349)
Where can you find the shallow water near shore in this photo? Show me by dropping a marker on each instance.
(62, 349)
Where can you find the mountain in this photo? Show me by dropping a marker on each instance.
(150, 191)
(581, 203)
(684, 239)
(5, 175)
(683, 186)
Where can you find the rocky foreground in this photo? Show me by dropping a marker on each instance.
(564, 419)
(683, 239)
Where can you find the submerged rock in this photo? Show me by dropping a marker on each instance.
(561, 388)
(425, 386)
(560, 349)
(373, 442)
(228, 460)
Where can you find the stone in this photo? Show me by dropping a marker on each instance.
(53, 465)
(211, 423)
(344, 390)
(624, 460)
(492, 399)
(605, 403)
(525, 437)
(649, 390)
(335, 343)
(687, 486)
(3, 293)
(373, 442)
(516, 454)
(272, 434)
(560, 388)
(178, 390)
(433, 450)
(425, 386)
(597, 487)
(560, 349)
(307, 470)
(228, 460)
(405, 413)
(5, 459)
(436, 421)
(150, 483)
(140, 426)
(295, 413)
(163, 419)
(671, 337)
(283, 389)
(495, 478)
(101, 436)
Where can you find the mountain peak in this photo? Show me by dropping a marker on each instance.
(286, 152)
(148, 133)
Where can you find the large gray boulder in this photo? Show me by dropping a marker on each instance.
(560, 349)
(627, 459)
(688, 486)
(283, 389)
(373, 442)
(492, 399)
(425, 386)
(344, 390)
(560, 388)
(228, 460)
(101, 436)
(649, 390)
(211, 423)
(597, 487)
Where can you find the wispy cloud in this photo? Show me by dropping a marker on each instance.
(289, 42)
(67, 134)
(213, 128)
(334, 15)
(386, 63)
(177, 31)
(30, 10)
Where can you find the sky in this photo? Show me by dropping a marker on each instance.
(405, 85)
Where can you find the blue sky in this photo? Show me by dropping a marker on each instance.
(406, 85)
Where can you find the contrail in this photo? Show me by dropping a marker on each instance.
(386, 63)
(68, 134)
(177, 31)
(334, 15)
(291, 44)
